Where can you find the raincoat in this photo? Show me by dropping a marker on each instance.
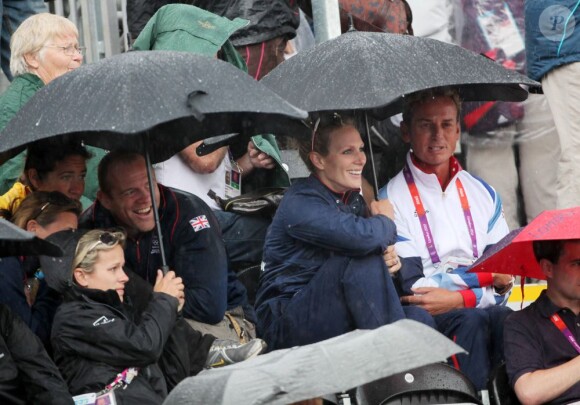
(27, 374)
(192, 248)
(181, 27)
(95, 337)
(268, 18)
(547, 44)
(312, 225)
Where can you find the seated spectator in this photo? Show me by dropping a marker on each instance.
(215, 300)
(94, 337)
(138, 331)
(45, 46)
(541, 341)
(180, 27)
(51, 165)
(22, 284)
(445, 219)
(328, 260)
(28, 375)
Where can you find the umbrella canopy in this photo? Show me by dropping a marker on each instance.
(327, 367)
(175, 98)
(514, 253)
(15, 242)
(372, 71)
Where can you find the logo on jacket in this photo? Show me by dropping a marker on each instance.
(103, 320)
(199, 223)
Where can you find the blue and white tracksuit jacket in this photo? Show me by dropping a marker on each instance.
(450, 233)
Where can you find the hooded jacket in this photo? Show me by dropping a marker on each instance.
(27, 374)
(193, 248)
(95, 337)
(180, 27)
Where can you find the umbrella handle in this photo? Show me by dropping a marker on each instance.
(372, 158)
(164, 266)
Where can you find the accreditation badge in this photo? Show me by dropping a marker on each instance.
(500, 30)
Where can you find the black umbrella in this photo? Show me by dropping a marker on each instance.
(372, 72)
(15, 242)
(157, 102)
(174, 98)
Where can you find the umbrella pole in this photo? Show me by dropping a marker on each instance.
(372, 158)
(164, 266)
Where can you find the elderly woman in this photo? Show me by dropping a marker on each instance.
(98, 336)
(22, 284)
(44, 47)
(328, 261)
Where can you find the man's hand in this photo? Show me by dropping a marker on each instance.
(172, 285)
(383, 207)
(435, 300)
(501, 281)
(392, 260)
(259, 160)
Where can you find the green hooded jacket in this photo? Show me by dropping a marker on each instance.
(181, 27)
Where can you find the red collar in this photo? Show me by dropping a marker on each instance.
(454, 168)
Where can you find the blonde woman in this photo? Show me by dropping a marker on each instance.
(100, 342)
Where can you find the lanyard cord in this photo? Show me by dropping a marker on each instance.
(556, 320)
(422, 214)
(566, 27)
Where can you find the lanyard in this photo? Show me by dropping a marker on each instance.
(556, 320)
(421, 213)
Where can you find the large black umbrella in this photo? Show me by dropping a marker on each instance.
(174, 98)
(15, 242)
(372, 72)
(157, 102)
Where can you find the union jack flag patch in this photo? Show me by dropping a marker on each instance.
(199, 223)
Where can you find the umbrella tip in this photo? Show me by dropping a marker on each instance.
(351, 27)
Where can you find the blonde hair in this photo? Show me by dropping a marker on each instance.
(34, 33)
(93, 242)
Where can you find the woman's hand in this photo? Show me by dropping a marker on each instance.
(172, 285)
(383, 207)
(392, 260)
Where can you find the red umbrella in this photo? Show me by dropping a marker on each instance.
(514, 253)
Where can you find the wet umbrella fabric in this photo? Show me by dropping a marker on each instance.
(174, 98)
(323, 368)
(514, 253)
(372, 71)
(16, 242)
(155, 102)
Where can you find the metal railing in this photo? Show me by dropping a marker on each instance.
(102, 25)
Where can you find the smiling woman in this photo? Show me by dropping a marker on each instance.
(327, 257)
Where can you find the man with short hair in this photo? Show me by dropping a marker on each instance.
(445, 219)
(191, 240)
(541, 341)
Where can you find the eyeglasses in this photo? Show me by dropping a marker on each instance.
(69, 50)
(52, 198)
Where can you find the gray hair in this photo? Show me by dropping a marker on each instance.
(34, 33)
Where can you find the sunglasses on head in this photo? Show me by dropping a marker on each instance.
(53, 198)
